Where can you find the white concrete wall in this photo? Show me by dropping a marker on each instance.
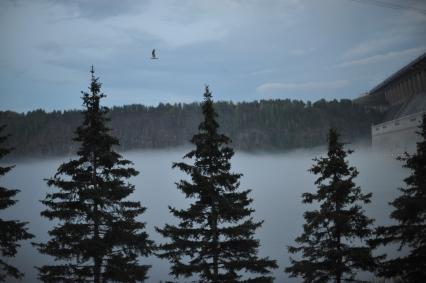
(397, 136)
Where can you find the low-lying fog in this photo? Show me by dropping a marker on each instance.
(277, 182)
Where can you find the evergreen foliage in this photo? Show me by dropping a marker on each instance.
(11, 231)
(97, 237)
(214, 239)
(410, 216)
(327, 244)
(258, 125)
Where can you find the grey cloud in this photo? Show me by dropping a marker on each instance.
(237, 46)
(367, 47)
(51, 47)
(302, 51)
(101, 9)
(375, 59)
(308, 86)
(260, 72)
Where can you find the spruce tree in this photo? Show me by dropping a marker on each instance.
(214, 240)
(97, 237)
(327, 244)
(409, 213)
(11, 231)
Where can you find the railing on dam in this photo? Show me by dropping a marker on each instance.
(397, 135)
(409, 121)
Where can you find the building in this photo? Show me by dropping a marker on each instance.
(404, 84)
(402, 97)
(398, 135)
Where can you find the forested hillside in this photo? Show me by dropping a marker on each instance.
(253, 126)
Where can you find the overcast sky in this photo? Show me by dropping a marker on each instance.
(245, 50)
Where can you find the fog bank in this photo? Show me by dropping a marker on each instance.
(277, 182)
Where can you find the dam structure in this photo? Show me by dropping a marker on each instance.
(402, 99)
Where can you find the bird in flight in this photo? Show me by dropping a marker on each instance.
(153, 54)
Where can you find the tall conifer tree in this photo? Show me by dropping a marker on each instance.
(327, 242)
(410, 216)
(11, 231)
(97, 238)
(214, 239)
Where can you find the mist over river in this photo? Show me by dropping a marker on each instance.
(277, 181)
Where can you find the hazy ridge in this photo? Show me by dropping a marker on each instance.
(266, 125)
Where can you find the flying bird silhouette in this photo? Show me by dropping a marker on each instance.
(153, 54)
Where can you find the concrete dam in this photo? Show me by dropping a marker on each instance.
(402, 98)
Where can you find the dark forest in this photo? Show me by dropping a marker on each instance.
(266, 125)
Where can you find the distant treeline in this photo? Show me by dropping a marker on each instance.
(258, 125)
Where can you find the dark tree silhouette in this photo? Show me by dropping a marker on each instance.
(410, 216)
(11, 231)
(327, 243)
(215, 237)
(97, 238)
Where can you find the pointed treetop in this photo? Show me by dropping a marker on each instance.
(215, 237)
(92, 71)
(97, 236)
(333, 136)
(95, 85)
(335, 146)
(207, 93)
